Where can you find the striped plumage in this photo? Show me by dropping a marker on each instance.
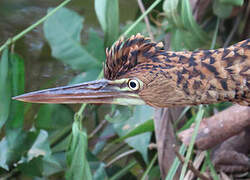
(184, 77)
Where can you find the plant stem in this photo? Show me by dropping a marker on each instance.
(191, 145)
(144, 177)
(123, 171)
(215, 34)
(141, 17)
(25, 31)
(176, 163)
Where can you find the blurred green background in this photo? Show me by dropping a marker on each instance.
(61, 141)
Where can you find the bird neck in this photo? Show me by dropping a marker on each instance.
(201, 77)
(209, 76)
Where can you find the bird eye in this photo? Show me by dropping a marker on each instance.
(133, 84)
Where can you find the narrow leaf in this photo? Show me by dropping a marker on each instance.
(76, 155)
(107, 12)
(16, 117)
(147, 126)
(5, 88)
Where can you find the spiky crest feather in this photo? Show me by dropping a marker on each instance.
(124, 55)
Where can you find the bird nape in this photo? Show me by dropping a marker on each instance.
(140, 71)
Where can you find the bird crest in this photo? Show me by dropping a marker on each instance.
(124, 55)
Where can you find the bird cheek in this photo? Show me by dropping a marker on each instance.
(156, 96)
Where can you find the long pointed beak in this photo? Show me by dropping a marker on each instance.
(101, 91)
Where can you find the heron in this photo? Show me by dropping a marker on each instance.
(139, 71)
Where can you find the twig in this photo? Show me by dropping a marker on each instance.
(199, 158)
(141, 6)
(190, 165)
(98, 128)
(152, 146)
(235, 27)
(216, 129)
(120, 157)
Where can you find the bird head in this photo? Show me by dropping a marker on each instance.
(131, 77)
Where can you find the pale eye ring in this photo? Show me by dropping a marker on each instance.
(133, 84)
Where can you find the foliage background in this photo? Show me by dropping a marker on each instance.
(100, 141)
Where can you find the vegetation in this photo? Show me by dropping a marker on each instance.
(103, 141)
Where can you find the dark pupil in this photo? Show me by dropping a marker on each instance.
(132, 84)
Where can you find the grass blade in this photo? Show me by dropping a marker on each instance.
(5, 88)
(144, 177)
(191, 145)
(175, 164)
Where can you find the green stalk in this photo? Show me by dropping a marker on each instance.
(25, 31)
(191, 145)
(175, 164)
(215, 34)
(211, 166)
(141, 17)
(123, 171)
(144, 177)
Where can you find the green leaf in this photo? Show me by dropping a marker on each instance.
(140, 142)
(89, 75)
(107, 132)
(120, 114)
(233, 2)
(107, 12)
(170, 8)
(147, 126)
(191, 144)
(222, 10)
(100, 173)
(182, 40)
(16, 116)
(5, 88)
(51, 166)
(40, 147)
(211, 166)
(14, 146)
(190, 23)
(39, 160)
(95, 46)
(76, 155)
(63, 30)
(176, 164)
(53, 117)
(33, 167)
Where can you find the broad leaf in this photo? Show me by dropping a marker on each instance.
(89, 75)
(15, 145)
(95, 46)
(53, 117)
(222, 10)
(63, 30)
(140, 142)
(100, 173)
